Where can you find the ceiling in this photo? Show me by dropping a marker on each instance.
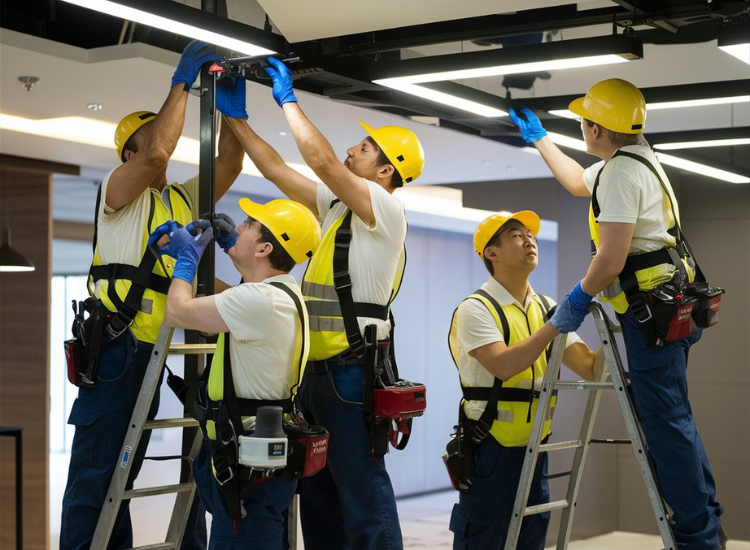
(83, 57)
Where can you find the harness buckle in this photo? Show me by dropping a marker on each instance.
(113, 331)
(641, 311)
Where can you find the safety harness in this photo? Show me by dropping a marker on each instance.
(642, 303)
(221, 420)
(469, 433)
(383, 387)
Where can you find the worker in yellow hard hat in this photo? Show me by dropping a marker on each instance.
(134, 199)
(500, 335)
(262, 349)
(351, 503)
(634, 225)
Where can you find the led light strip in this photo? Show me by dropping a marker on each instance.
(699, 144)
(156, 21)
(443, 98)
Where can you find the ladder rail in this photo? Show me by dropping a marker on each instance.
(535, 440)
(117, 485)
(637, 438)
(550, 383)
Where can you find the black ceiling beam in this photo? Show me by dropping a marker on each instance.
(502, 25)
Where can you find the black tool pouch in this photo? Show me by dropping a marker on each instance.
(459, 454)
(83, 351)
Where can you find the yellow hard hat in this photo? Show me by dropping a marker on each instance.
(128, 126)
(614, 104)
(293, 225)
(402, 147)
(489, 226)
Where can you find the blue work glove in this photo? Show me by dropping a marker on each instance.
(231, 97)
(281, 76)
(194, 56)
(225, 231)
(186, 244)
(571, 311)
(529, 124)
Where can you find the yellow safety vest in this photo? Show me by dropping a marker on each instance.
(512, 427)
(648, 278)
(147, 323)
(327, 331)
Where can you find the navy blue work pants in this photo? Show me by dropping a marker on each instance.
(658, 380)
(481, 518)
(101, 416)
(349, 504)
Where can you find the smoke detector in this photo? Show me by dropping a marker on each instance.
(28, 82)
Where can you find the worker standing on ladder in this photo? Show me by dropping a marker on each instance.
(350, 503)
(134, 199)
(499, 335)
(632, 215)
(263, 335)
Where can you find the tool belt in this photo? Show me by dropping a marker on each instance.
(389, 402)
(674, 309)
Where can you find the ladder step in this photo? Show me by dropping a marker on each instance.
(157, 546)
(560, 446)
(161, 490)
(159, 423)
(191, 349)
(581, 385)
(548, 507)
(611, 441)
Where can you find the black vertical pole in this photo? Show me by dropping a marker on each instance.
(206, 271)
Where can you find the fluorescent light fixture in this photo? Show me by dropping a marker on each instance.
(550, 56)
(701, 169)
(499, 70)
(735, 40)
(173, 17)
(565, 141)
(444, 98)
(701, 144)
(565, 113)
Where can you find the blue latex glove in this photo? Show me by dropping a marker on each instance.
(194, 56)
(281, 76)
(529, 124)
(571, 311)
(186, 244)
(225, 231)
(164, 229)
(231, 97)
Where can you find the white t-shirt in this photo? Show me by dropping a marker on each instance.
(629, 192)
(476, 327)
(120, 232)
(262, 320)
(375, 252)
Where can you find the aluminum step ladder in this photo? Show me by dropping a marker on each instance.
(609, 378)
(138, 423)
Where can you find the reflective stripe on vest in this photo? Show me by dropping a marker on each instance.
(327, 331)
(647, 278)
(511, 427)
(149, 319)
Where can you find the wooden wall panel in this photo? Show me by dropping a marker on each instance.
(26, 207)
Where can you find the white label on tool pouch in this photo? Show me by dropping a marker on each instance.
(126, 457)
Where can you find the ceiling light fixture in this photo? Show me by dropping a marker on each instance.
(700, 144)
(669, 160)
(409, 75)
(735, 40)
(12, 260)
(186, 21)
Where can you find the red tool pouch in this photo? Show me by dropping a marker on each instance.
(402, 400)
(308, 450)
(679, 312)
